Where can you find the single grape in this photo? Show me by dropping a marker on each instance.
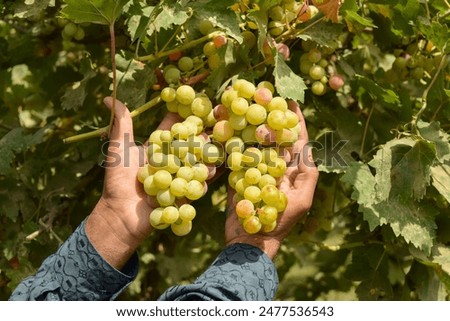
(262, 167)
(245, 208)
(275, 28)
(239, 106)
(168, 94)
(155, 219)
(205, 27)
(179, 131)
(70, 29)
(220, 41)
(270, 194)
(195, 190)
(256, 114)
(222, 131)
(165, 197)
(314, 55)
(149, 186)
(228, 97)
(185, 172)
(143, 173)
(212, 154)
(277, 167)
(220, 112)
(80, 34)
(245, 88)
(265, 135)
(253, 194)
(318, 88)
(162, 179)
(282, 202)
(249, 39)
(252, 156)
(252, 176)
(234, 144)
(185, 94)
(209, 49)
(276, 119)
(277, 103)
(267, 228)
(172, 76)
(170, 215)
(286, 137)
(178, 186)
(263, 96)
(248, 134)
(187, 212)
(237, 122)
(240, 186)
(251, 225)
(268, 214)
(265, 180)
(214, 61)
(201, 106)
(234, 161)
(235, 176)
(181, 228)
(185, 63)
(201, 172)
(317, 72)
(291, 118)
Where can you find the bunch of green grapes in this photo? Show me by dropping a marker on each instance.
(177, 170)
(315, 66)
(253, 125)
(71, 30)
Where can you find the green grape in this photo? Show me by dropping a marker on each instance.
(178, 187)
(262, 167)
(214, 61)
(278, 103)
(252, 156)
(252, 176)
(234, 144)
(256, 114)
(195, 190)
(165, 197)
(170, 215)
(245, 209)
(149, 186)
(253, 194)
(277, 13)
(240, 186)
(80, 34)
(155, 218)
(211, 154)
(239, 106)
(201, 106)
(235, 176)
(262, 96)
(201, 172)
(191, 128)
(181, 228)
(209, 121)
(185, 63)
(314, 55)
(291, 118)
(168, 94)
(275, 28)
(185, 172)
(155, 137)
(184, 110)
(282, 202)
(245, 88)
(209, 49)
(172, 106)
(276, 119)
(305, 66)
(228, 97)
(270, 194)
(172, 75)
(197, 121)
(317, 72)
(185, 94)
(248, 134)
(267, 228)
(234, 161)
(157, 161)
(265, 180)
(286, 137)
(205, 27)
(222, 131)
(318, 88)
(180, 148)
(249, 39)
(179, 131)
(143, 173)
(277, 167)
(237, 122)
(266, 84)
(70, 29)
(251, 225)
(187, 212)
(189, 160)
(268, 214)
(162, 179)
(269, 155)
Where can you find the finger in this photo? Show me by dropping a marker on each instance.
(122, 125)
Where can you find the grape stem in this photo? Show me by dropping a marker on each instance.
(184, 47)
(104, 130)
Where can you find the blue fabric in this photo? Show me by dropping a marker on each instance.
(77, 272)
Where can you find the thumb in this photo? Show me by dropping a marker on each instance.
(122, 124)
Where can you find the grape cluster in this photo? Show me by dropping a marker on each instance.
(176, 170)
(315, 66)
(71, 30)
(253, 124)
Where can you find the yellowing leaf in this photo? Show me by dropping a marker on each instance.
(330, 8)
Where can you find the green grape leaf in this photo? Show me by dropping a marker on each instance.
(94, 11)
(382, 95)
(441, 256)
(360, 177)
(167, 14)
(356, 23)
(31, 9)
(435, 32)
(75, 95)
(138, 20)
(403, 168)
(440, 175)
(134, 80)
(221, 16)
(324, 33)
(440, 139)
(287, 83)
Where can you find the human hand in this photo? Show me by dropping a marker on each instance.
(298, 183)
(120, 220)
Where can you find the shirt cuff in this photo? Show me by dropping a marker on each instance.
(77, 272)
(241, 272)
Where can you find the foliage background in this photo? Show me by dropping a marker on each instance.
(379, 228)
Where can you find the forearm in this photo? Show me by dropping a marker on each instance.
(76, 272)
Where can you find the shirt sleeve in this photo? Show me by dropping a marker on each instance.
(76, 272)
(242, 272)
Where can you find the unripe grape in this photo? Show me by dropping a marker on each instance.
(181, 228)
(185, 94)
(209, 49)
(316, 72)
(314, 55)
(187, 212)
(79, 35)
(205, 27)
(185, 63)
(214, 61)
(318, 88)
(277, 13)
(248, 134)
(172, 75)
(70, 29)
(251, 225)
(275, 28)
(249, 39)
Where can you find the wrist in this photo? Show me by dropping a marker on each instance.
(269, 246)
(110, 236)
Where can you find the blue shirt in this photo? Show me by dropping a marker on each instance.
(77, 272)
